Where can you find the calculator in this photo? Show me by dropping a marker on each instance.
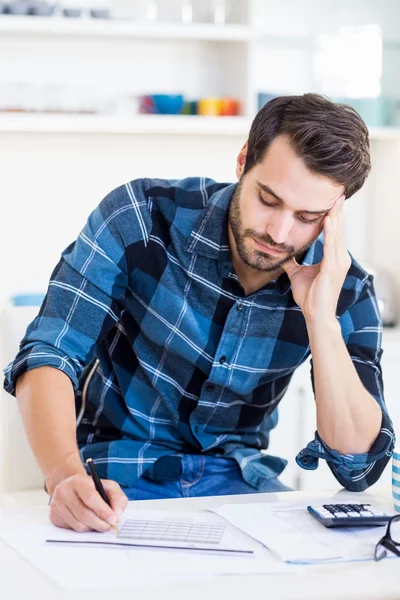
(348, 515)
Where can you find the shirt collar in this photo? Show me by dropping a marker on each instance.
(210, 234)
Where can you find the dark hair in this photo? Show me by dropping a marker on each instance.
(330, 138)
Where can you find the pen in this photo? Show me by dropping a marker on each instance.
(99, 486)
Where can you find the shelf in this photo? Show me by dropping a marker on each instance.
(141, 124)
(144, 124)
(89, 27)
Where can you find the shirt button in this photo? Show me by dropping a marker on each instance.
(222, 360)
(196, 428)
(240, 306)
(305, 460)
(210, 387)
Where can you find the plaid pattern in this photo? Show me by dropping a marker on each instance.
(187, 363)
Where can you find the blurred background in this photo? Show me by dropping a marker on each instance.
(94, 93)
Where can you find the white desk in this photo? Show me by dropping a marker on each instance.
(362, 581)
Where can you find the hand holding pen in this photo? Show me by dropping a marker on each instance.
(78, 504)
(99, 487)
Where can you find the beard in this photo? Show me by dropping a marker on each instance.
(257, 259)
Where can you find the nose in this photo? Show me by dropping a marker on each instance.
(280, 226)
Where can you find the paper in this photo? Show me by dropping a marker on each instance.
(155, 529)
(73, 566)
(292, 534)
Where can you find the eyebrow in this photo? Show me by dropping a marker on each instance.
(267, 189)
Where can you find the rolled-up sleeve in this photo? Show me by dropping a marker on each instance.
(83, 300)
(362, 332)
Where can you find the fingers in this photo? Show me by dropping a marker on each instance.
(337, 208)
(77, 505)
(116, 496)
(336, 215)
(329, 241)
(335, 248)
(82, 513)
(92, 499)
(61, 516)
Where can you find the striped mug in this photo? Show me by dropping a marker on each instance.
(396, 479)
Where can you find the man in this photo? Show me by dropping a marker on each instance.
(198, 301)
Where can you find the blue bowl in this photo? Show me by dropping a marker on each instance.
(168, 104)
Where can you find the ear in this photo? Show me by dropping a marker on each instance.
(241, 161)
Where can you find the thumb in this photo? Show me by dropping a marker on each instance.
(291, 267)
(116, 496)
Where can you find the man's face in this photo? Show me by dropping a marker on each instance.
(278, 208)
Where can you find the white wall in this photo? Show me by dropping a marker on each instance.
(384, 210)
(50, 183)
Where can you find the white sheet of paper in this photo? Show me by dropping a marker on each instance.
(76, 567)
(156, 529)
(292, 534)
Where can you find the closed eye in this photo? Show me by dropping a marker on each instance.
(267, 203)
(309, 221)
(299, 217)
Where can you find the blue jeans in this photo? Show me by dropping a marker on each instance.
(191, 475)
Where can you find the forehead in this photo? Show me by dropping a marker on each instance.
(287, 175)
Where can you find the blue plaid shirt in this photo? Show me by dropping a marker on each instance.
(187, 362)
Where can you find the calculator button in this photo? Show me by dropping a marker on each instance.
(353, 513)
(366, 513)
(377, 512)
(340, 515)
(321, 511)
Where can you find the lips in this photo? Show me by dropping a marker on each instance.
(268, 249)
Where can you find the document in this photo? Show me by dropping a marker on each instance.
(155, 529)
(90, 565)
(293, 535)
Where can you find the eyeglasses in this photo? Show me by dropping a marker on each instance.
(387, 542)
